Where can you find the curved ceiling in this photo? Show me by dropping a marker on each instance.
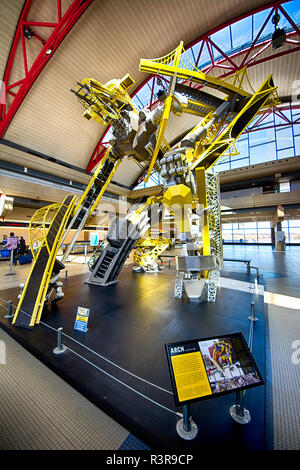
(107, 42)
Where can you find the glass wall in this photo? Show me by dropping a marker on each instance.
(259, 232)
(292, 230)
(247, 232)
(273, 138)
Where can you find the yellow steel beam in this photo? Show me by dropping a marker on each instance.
(150, 66)
(167, 109)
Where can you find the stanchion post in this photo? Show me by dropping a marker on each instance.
(9, 310)
(252, 317)
(248, 267)
(66, 274)
(11, 264)
(60, 348)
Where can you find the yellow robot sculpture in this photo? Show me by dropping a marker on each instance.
(190, 192)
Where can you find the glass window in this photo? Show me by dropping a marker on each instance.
(294, 223)
(284, 137)
(241, 32)
(287, 234)
(293, 10)
(263, 225)
(297, 144)
(226, 226)
(204, 58)
(238, 236)
(264, 235)
(261, 137)
(222, 167)
(137, 102)
(143, 95)
(294, 233)
(284, 187)
(296, 113)
(286, 153)
(222, 40)
(187, 60)
(258, 21)
(195, 51)
(279, 116)
(227, 236)
(239, 163)
(250, 235)
(242, 147)
(266, 121)
(263, 153)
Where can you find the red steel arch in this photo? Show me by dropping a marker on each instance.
(19, 89)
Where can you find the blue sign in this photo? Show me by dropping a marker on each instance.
(82, 319)
(94, 239)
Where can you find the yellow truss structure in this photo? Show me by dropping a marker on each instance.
(209, 151)
(148, 249)
(41, 232)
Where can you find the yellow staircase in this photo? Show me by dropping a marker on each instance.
(30, 306)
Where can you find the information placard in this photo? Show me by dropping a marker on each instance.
(94, 241)
(205, 368)
(82, 319)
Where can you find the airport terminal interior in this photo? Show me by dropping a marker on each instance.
(150, 225)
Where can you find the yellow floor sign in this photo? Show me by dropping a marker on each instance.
(190, 376)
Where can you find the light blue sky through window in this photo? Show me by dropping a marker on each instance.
(242, 32)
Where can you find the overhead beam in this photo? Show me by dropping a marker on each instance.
(19, 89)
(262, 200)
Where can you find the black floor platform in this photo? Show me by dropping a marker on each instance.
(129, 324)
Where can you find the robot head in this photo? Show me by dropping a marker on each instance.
(104, 102)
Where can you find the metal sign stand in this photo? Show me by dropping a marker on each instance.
(186, 427)
(238, 412)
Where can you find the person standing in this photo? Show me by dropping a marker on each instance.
(12, 245)
(22, 246)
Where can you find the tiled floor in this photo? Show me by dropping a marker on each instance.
(281, 276)
(41, 411)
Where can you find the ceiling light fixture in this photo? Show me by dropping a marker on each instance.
(278, 37)
(28, 33)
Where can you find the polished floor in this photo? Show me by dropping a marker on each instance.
(55, 409)
(281, 275)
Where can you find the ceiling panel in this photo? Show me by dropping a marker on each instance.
(9, 13)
